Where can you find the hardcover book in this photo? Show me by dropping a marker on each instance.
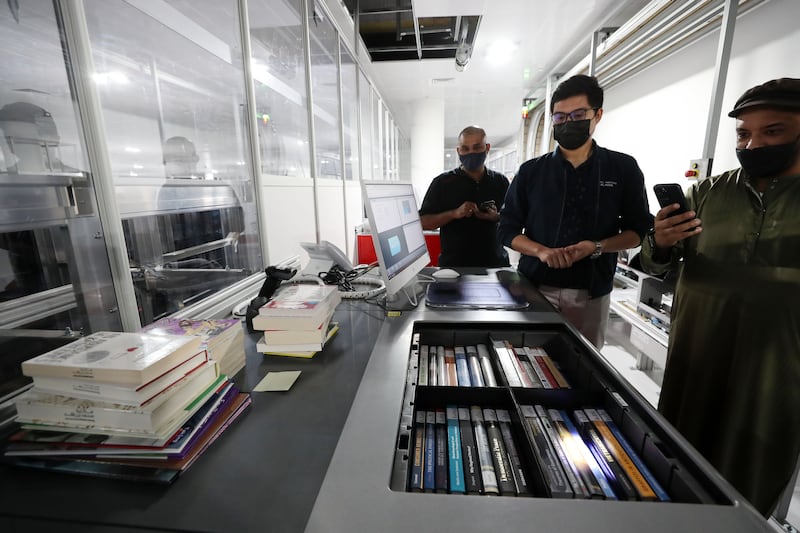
(555, 479)
(502, 465)
(484, 452)
(504, 419)
(486, 366)
(469, 453)
(442, 463)
(122, 358)
(415, 483)
(456, 473)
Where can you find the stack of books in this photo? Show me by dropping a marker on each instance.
(140, 406)
(223, 339)
(297, 321)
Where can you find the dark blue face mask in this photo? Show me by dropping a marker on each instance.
(472, 162)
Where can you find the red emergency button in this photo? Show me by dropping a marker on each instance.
(690, 174)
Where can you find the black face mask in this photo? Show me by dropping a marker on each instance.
(472, 162)
(571, 135)
(768, 161)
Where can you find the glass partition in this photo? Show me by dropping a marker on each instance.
(171, 84)
(349, 113)
(325, 91)
(279, 76)
(54, 271)
(367, 137)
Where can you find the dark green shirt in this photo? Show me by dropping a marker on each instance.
(732, 382)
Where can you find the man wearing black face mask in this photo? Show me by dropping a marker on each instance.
(733, 366)
(463, 203)
(570, 211)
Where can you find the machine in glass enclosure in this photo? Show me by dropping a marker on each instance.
(175, 120)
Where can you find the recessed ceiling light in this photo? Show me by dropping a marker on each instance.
(499, 52)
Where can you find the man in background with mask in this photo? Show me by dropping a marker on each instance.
(732, 380)
(463, 203)
(570, 211)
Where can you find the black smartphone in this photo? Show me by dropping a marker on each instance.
(671, 193)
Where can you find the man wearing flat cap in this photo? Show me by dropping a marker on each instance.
(732, 380)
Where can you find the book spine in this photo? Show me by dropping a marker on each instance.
(573, 476)
(474, 364)
(588, 457)
(531, 354)
(527, 368)
(442, 466)
(502, 465)
(462, 370)
(520, 481)
(450, 363)
(634, 463)
(456, 477)
(484, 452)
(441, 367)
(554, 370)
(523, 376)
(469, 453)
(611, 468)
(429, 466)
(554, 476)
(415, 481)
(575, 455)
(510, 371)
(70, 412)
(422, 366)
(433, 372)
(486, 366)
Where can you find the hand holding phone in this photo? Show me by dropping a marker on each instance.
(671, 193)
(666, 228)
(487, 205)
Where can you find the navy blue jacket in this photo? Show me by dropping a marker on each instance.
(534, 205)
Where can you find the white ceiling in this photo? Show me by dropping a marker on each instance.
(549, 36)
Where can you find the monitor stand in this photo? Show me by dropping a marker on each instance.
(406, 298)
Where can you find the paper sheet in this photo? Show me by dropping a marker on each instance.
(277, 381)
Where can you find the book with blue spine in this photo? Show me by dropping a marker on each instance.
(456, 477)
(474, 365)
(462, 371)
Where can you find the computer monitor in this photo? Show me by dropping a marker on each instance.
(396, 233)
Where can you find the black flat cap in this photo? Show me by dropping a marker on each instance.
(782, 93)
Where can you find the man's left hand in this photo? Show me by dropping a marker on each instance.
(580, 250)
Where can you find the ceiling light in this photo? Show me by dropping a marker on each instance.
(499, 52)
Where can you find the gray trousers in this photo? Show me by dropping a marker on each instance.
(588, 315)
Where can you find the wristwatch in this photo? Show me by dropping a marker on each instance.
(651, 238)
(598, 250)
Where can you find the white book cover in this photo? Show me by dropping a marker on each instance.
(38, 408)
(120, 358)
(93, 390)
(302, 300)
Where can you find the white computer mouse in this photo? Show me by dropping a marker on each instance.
(445, 273)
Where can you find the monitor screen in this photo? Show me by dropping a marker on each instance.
(396, 232)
